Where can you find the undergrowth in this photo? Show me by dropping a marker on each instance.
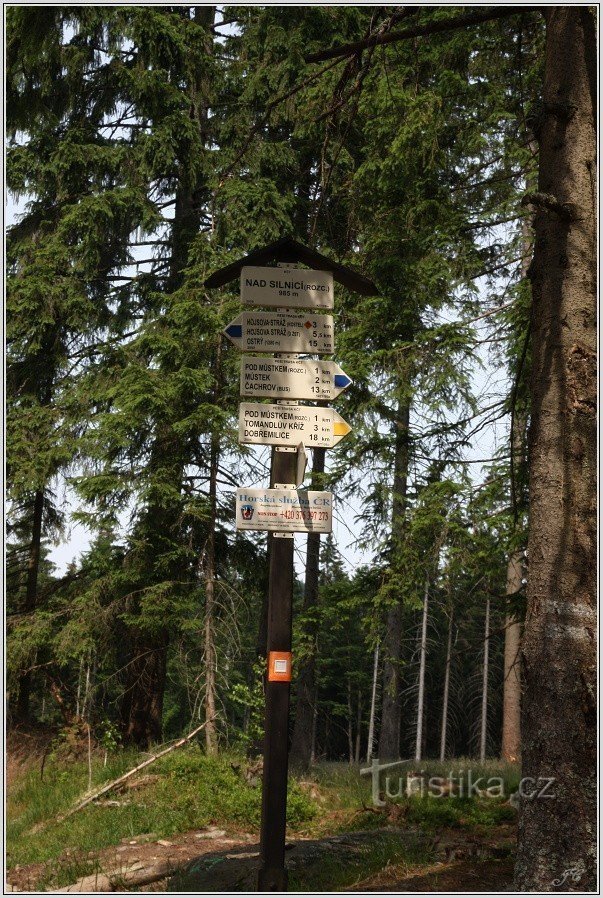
(190, 790)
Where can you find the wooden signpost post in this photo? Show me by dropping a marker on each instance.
(282, 509)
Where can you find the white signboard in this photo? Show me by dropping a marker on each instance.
(298, 288)
(300, 466)
(282, 332)
(285, 511)
(288, 425)
(292, 378)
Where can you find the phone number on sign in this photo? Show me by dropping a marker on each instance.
(302, 514)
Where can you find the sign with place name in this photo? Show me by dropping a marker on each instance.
(292, 378)
(288, 425)
(282, 332)
(285, 511)
(286, 287)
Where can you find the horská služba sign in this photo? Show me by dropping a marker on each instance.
(285, 510)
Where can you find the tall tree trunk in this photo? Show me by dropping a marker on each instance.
(358, 728)
(484, 718)
(209, 654)
(209, 567)
(371, 732)
(327, 734)
(350, 725)
(301, 743)
(446, 690)
(511, 729)
(389, 737)
(31, 593)
(87, 702)
(422, 659)
(557, 835)
(142, 703)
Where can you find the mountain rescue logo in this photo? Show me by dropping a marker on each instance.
(247, 512)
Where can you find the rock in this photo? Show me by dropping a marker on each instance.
(210, 834)
(164, 842)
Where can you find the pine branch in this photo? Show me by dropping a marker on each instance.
(495, 268)
(476, 225)
(464, 21)
(264, 119)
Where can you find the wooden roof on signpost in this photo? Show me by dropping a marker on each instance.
(288, 250)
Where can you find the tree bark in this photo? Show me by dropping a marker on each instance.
(209, 654)
(142, 703)
(371, 732)
(389, 737)
(350, 725)
(511, 729)
(358, 729)
(301, 743)
(423, 656)
(31, 593)
(484, 718)
(446, 690)
(558, 835)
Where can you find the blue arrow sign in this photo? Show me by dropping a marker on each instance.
(342, 381)
(234, 330)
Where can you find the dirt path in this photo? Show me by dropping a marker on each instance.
(212, 860)
(135, 854)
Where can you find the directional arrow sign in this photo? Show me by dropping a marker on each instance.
(298, 288)
(282, 332)
(291, 379)
(288, 425)
(285, 511)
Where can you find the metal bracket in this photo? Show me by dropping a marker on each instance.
(282, 535)
(284, 486)
(286, 448)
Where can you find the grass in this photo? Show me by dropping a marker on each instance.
(331, 875)
(193, 790)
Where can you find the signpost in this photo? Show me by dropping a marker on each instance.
(292, 378)
(282, 332)
(286, 287)
(285, 510)
(285, 425)
(288, 427)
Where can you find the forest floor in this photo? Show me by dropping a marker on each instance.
(192, 825)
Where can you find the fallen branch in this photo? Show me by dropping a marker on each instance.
(135, 875)
(112, 785)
